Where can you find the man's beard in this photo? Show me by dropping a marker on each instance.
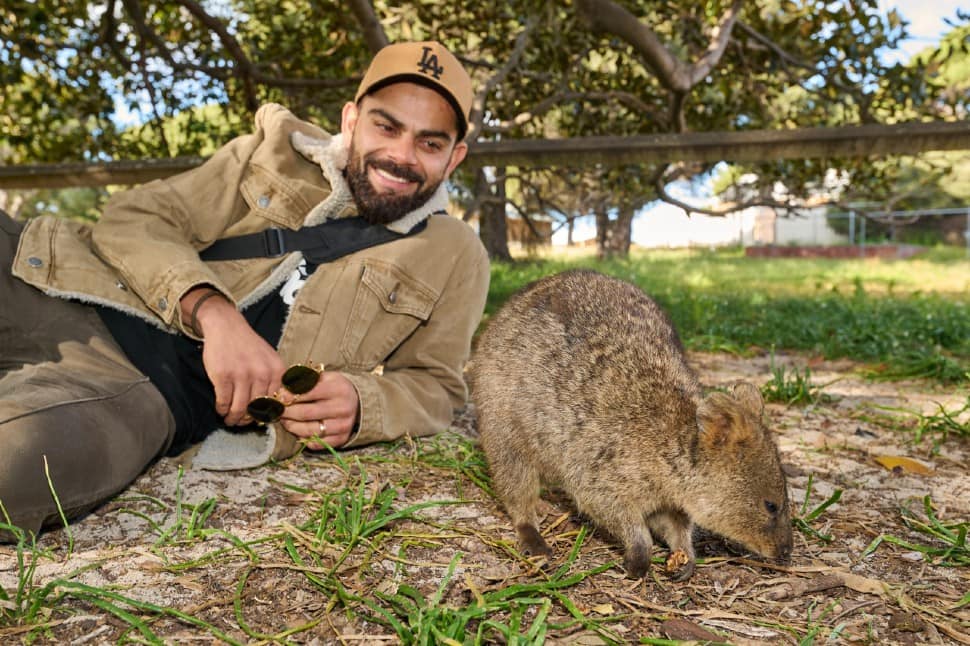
(381, 208)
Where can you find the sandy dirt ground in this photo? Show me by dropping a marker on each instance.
(834, 591)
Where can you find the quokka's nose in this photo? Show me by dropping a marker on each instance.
(784, 550)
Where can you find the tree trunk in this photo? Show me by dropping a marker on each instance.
(492, 226)
(613, 236)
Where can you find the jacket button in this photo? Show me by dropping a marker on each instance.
(163, 304)
(120, 285)
(34, 261)
(392, 297)
(263, 201)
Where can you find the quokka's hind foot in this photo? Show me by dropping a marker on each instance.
(531, 541)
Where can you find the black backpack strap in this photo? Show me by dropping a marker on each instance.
(320, 243)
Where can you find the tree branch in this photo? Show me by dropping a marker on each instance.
(786, 59)
(673, 74)
(781, 53)
(243, 64)
(537, 193)
(631, 101)
(371, 27)
(610, 17)
(720, 37)
(526, 218)
(109, 33)
(243, 67)
(478, 105)
(144, 33)
(660, 184)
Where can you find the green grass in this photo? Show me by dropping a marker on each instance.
(817, 630)
(939, 425)
(901, 318)
(792, 386)
(948, 540)
(905, 318)
(516, 614)
(936, 427)
(350, 527)
(802, 521)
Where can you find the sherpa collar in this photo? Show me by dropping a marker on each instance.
(331, 155)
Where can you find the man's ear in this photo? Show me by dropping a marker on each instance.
(348, 119)
(457, 156)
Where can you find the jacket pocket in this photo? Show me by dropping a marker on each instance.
(388, 306)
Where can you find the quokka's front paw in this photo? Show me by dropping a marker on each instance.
(679, 566)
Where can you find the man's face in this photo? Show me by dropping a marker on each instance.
(402, 146)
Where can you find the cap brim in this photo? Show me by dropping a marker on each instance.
(420, 79)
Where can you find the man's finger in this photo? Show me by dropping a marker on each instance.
(223, 397)
(240, 399)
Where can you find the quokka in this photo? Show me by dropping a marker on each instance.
(580, 382)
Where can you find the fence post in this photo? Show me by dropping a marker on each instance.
(966, 234)
(862, 237)
(852, 228)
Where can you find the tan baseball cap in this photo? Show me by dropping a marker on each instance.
(426, 63)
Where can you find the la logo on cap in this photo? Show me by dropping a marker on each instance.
(429, 64)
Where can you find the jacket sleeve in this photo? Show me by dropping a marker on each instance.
(422, 382)
(151, 234)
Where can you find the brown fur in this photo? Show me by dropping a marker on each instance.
(580, 382)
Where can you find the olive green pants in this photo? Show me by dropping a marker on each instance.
(76, 418)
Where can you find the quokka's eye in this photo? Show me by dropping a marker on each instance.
(771, 507)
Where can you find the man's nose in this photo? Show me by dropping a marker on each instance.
(404, 151)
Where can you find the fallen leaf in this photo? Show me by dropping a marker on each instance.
(191, 582)
(893, 462)
(586, 639)
(605, 609)
(682, 629)
(864, 584)
(749, 631)
(906, 622)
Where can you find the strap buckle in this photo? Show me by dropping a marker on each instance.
(274, 242)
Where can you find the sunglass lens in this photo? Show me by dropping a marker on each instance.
(300, 379)
(265, 410)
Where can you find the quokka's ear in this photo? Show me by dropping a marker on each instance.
(722, 421)
(750, 397)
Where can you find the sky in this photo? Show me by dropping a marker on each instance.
(925, 19)
(666, 224)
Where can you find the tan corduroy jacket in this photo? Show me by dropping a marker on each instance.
(397, 318)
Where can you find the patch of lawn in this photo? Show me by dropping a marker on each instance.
(906, 318)
(792, 387)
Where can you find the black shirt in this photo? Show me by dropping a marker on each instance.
(173, 362)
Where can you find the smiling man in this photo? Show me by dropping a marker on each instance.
(297, 289)
(396, 162)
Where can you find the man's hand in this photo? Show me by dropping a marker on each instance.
(326, 415)
(240, 364)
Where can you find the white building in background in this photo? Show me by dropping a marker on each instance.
(663, 225)
(667, 226)
(670, 227)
